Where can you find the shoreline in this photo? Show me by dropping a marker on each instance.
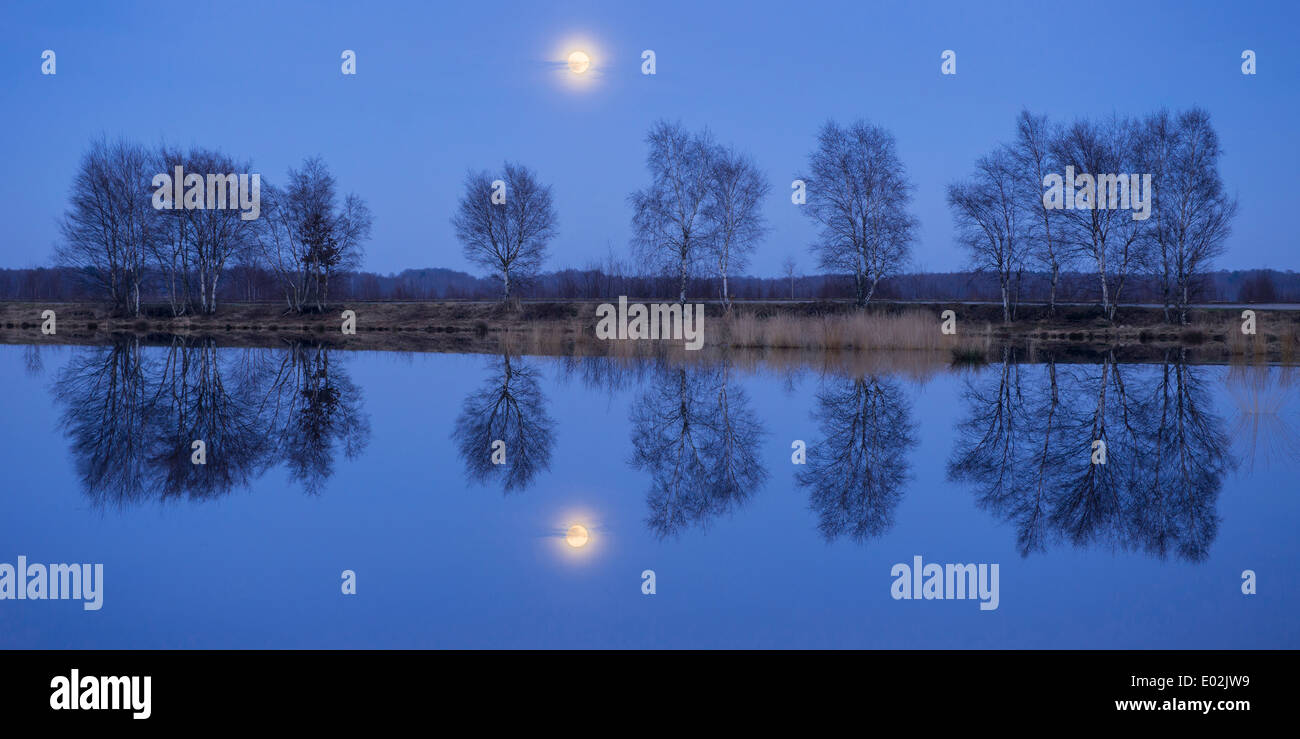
(568, 328)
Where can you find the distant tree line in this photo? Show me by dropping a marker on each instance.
(1004, 221)
(128, 238)
(244, 284)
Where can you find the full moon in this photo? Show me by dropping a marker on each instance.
(577, 536)
(578, 63)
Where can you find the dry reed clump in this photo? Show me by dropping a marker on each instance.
(852, 332)
(1278, 338)
(841, 351)
(1290, 340)
(1246, 346)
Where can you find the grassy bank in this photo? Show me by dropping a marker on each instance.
(569, 328)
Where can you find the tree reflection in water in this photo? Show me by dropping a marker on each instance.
(511, 408)
(695, 434)
(1026, 445)
(856, 470)
(131, 413)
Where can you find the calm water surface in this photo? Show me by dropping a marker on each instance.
(324, 461)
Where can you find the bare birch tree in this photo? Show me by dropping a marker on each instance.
(1191, 212)
(218, 236)
(109, 225)
(279, 250)
(507, 235)
(1034, 161)
(306, 237)
(989, 222)
(171, 251)
(1108, 238)
(858, 192)
(736, 190)
(669, 228)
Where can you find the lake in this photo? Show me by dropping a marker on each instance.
(319, 461)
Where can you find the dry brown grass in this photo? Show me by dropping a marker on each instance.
(917, 331)
(779, 337)
(1244, 346)
(1281, 341)
(559, 327)
(576, 338)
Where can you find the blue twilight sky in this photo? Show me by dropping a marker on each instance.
(443, 87)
